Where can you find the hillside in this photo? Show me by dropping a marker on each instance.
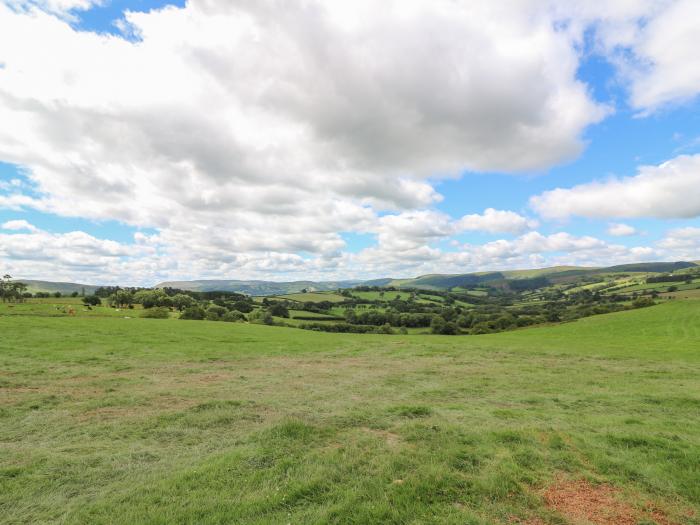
(428, 282)
(121, 420)
(257, 287)
(34, 286)
(557, 274)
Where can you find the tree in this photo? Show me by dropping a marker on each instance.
(121, 298)
(151, 298)
(438, 324)
(92, 300)
(182, 301)
(12, 291)
(243, 306)
(279, 310)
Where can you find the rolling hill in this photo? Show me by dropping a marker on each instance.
(557, 274)
(258, 287)
(34, 286)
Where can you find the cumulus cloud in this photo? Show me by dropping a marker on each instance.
(251, 135)
(618, 229)
(669, 190)
(275, 127)
(666, 65)
(496, 221)
(685, 241)
(18, 224)
(532, 249)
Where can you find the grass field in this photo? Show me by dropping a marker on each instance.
(312, 297)
(61, 307)
(114, 420)
(382, 296)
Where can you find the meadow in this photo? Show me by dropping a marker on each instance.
(107, 419)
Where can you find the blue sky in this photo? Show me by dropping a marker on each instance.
(137, 171)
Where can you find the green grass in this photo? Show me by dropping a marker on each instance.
(315, 315)
(113, 420)
(60, 307)
(313, 297)
(379, 296)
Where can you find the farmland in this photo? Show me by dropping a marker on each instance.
(115, 419)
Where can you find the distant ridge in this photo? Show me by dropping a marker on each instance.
(427, 282)
(34, 286)
(257, 287)
(430, 281)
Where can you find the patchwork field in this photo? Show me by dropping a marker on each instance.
(127, 420)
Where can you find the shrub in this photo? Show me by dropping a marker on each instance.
(261, 316)
(214, 313)
(438, 324)
(243, 306)
(233, 317)
(156, 313)
(384, 329)
(193, 313)
(643, 302)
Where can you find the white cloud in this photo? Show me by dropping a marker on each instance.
(529, 250)
(667, 63)
(18, 224)
(685, 241)
(60, 8)
(496, 221)
(652, 43)
(669, 190)
(250, 135)
(618, 229)
(248, 128)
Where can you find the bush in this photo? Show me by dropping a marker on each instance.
(193, 313)
(243, 306)
(214, 313)
(261, 316)
(156, 313)
(643, 302)
(384, 329)
(437, 325)
(233, 317)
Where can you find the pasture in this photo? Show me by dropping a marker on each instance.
(311, 297)
(107, 419)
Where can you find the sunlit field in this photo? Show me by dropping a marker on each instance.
(109, 418)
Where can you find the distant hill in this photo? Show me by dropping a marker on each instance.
(554, 274)
(34, 286)
(445, 281)
(557, 274)
(258, 287)
(663, 267)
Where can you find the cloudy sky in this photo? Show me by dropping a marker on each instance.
(145, 140)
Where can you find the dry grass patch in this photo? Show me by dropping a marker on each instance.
(581, 502)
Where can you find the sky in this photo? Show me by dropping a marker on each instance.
(151, 140)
